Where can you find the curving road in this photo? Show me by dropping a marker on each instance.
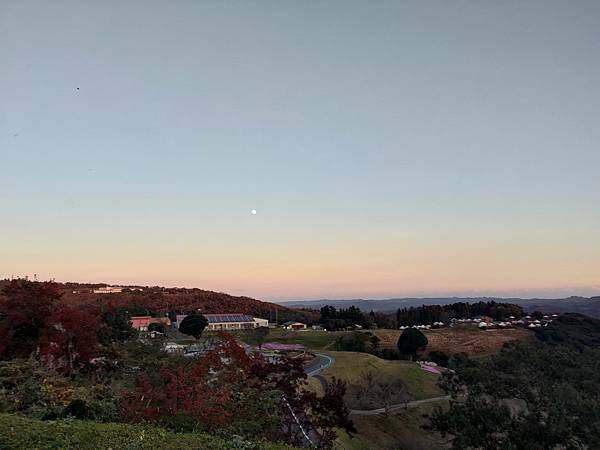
(322, 362)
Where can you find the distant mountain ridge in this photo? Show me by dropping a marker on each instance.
(585, 305)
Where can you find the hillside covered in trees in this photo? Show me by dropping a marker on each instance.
(535, 394)
(157, 300)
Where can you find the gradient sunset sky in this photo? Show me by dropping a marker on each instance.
(390, 149)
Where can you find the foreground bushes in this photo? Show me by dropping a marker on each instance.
(19, 433)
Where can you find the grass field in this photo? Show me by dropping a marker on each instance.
(395, 431)
(350, 366)
(311, 339)
(467, 338)
(315, 386)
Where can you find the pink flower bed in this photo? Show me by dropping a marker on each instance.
(283, 347)
(431, 369)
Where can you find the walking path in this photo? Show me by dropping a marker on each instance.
(398, 406)
(322, 362)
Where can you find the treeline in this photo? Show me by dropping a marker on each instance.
(341, 319)
(428, 314)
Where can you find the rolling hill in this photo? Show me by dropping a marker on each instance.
(160, 300)
(584, 305)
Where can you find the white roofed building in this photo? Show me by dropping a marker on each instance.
(218, 322)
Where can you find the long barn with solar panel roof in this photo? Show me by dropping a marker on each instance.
(234, 321)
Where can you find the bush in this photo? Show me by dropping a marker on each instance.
(19, 433)
(357, 341)
(389, 353)
(78, 409)
(440, 358)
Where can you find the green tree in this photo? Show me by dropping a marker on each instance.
(193, 325)
(357, 341)
(116, 326)
(411, 341)
(258, 335)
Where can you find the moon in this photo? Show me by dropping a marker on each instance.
(253, 212)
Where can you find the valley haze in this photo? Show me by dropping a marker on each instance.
(584, 305)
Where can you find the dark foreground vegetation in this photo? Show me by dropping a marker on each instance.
(538, 394)
(62, 362)
(21, 433)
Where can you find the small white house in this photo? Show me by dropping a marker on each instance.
(261, 322)
(226, 322)
(293, 325)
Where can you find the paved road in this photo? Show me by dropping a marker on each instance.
(399, 406)
(320, 363)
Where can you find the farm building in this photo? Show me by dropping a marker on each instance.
(293, 325)
(142, 323)
(236, 321)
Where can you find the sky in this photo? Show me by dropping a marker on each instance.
(389, 148)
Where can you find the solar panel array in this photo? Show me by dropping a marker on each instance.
(221, 318)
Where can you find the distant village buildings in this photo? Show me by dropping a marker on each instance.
(141, 323)
(108, 290)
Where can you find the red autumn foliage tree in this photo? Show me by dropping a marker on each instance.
(70, 339)
(24, 308)
(230, 388)
(32, 319)
(203, 392)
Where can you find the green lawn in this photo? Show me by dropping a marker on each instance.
(350, 366)
(396, 431)
(19, 433)
(311, 339)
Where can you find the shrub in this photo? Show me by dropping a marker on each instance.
(357, 341)
(389, 353)
(19, 433)
(78, 409)
(440, 358)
